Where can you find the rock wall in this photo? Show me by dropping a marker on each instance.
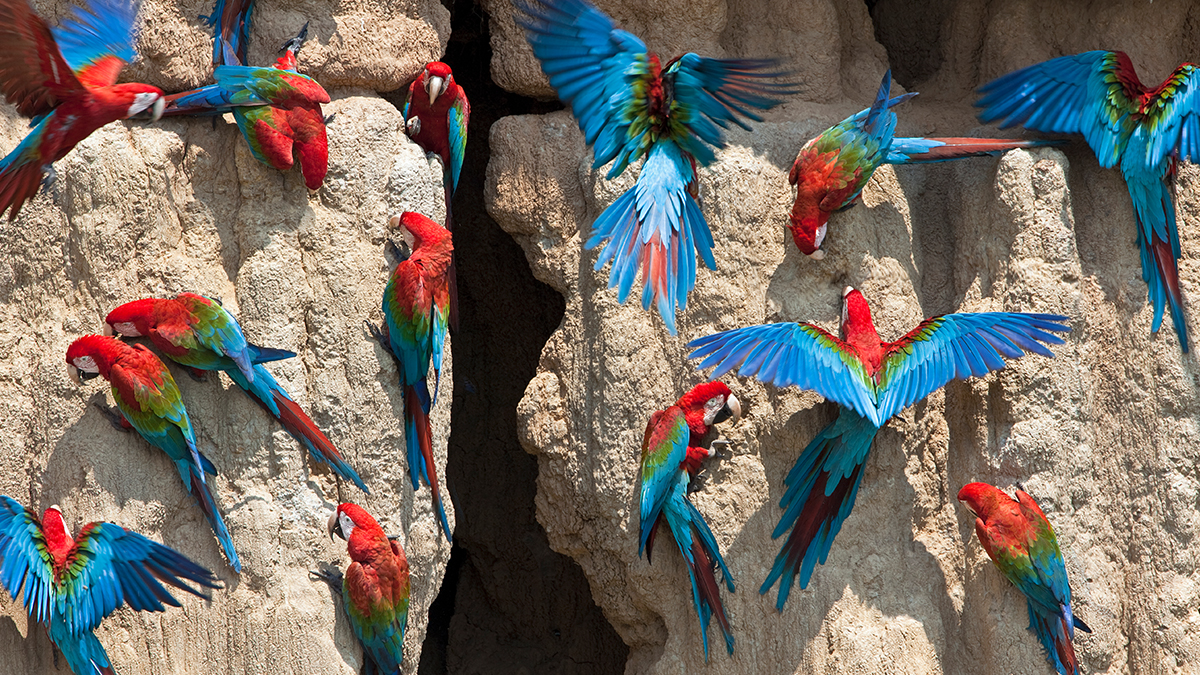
(179, 206)
(1104, 436)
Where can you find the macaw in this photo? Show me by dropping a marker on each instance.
(149, 401)
(671, 456)
(1147, 131)
(871, 380)
(277, 109)
(832, 169)
(629, 106)
(1019, 539)
(231, 24)
(65, 80)
(375, 588)
(199, 333)
(436, 113)
(71, 585)
(416, 311)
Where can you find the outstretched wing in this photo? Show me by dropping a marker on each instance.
(1094, 93)
(957, 346)
(664, 448)
(98, 41)
(33, 75)
(798, 354)
(589, 61)
(231, 27)
(1172, 118)
(110, 565)
(217, 330)
(26, 565)
(459, 115)
(712, 93)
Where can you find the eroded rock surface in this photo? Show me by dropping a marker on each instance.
(147, 211)
(1104, 436)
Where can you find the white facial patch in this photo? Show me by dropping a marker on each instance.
(142, 102)
(711, 407)
(87, 364)
(126, 328)
(821, 234)
(346, 524)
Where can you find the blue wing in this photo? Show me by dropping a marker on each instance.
(1172, 121)
(459, 114)
(231, 27)
(1082, 93)
(103, 30)
(664, 448)
(25, 563)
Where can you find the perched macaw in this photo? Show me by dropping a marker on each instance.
(671, 456)
(1147, 131)
(871, 380)
(71, 585)
(832, 169)
(199, 333)
(416, 310)
(149, 401)
(1019, 539)
(231, 24)
(277, 109)
(436, 113)
(629, 105)
(65, 80)
(375, 588)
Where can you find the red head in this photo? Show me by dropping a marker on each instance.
(419, 231)
(139, 98)
(983, 499)
(132, 319)
(93, 355)
(708, 404)
(436, 80)
(58, 540)
(809, 231)
(362, 534)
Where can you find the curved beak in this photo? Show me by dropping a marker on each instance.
(334, 527)
(731, 410)
(108, 329)
(434, 86)
(818, 254)
(156, 111)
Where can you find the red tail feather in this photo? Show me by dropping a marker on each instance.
(293, 418)
(706, 583)
(1064, 647)
(425, 441)
(18, 186)
(1164, 258)
(817, 511)
(967, 147)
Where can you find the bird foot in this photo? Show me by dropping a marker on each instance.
(380, 335)
(114, 418)
(721, 447)
(397, 253)
(330, 576)
(329, 118)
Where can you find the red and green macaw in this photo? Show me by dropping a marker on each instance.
(375, 588)
(1019, 539)
(277, 109)
(1147, 131)
(436, 113)
(871, 380)
(66, 80)
(416, 312)
(671, 455)
(149, 401)
(630, 105)
(832, 169)
(199, 333)
(70, 585)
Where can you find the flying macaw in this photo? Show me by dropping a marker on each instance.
(832, 169)
(871, 380)
(375, 588)
(277, 109)
(199, 333)
(65, 80)
(1147, 131)
(71, 585)
(629, 105)
(671, 456)
(436, 113)
(1019, 539)
(150, 402)
(231, 24)
(416, 310)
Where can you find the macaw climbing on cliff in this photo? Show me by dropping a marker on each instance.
(1019, 539)
(1147, 131)
(671, 456)
(630, 105)
(230, 21)
(832, 169)
(149, 401)
(199, 333)
(436, 113)
(277, 109)
(416, 311)
(65, 79)
(375, 587)
(871, 380)
(70, 585)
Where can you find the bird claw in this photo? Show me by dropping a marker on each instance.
(380, 336)
(331, 577)
(398, 253)
(114, 418)
(329, 118)
(722, 447)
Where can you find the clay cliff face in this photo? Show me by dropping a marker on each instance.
(1104, 436)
